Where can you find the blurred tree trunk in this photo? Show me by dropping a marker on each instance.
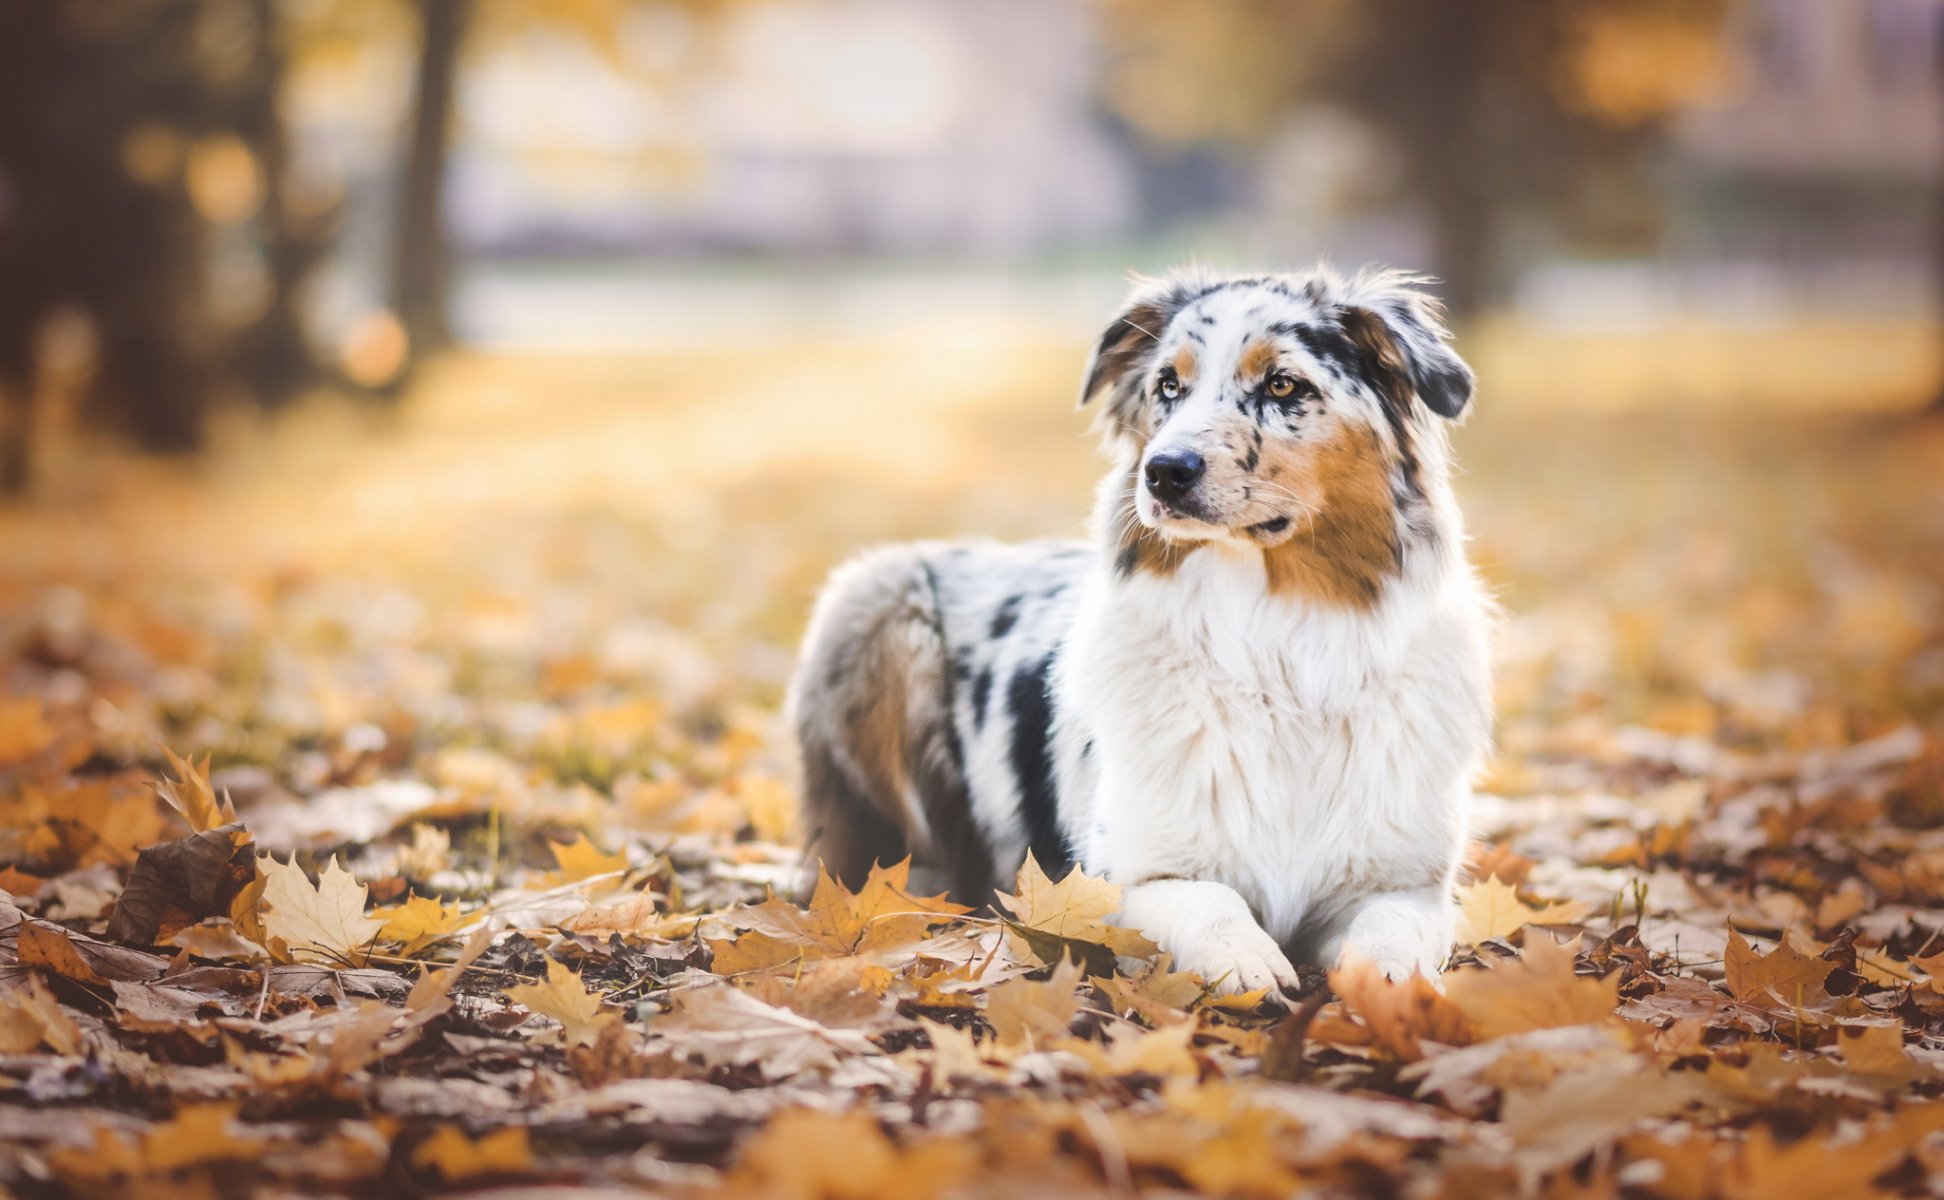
(1937, 256)
(1449, 145)
(273, 353)
(16, 434)
(420, 258)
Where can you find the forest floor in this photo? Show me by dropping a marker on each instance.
(502, 903)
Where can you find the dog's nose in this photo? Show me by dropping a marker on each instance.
(1171, 475)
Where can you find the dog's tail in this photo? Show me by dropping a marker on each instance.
(882, 768)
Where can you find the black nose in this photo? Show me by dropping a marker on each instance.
(1170, 476)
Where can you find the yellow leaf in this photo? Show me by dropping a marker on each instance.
(771, 805)
(191, 794)
(196, 1135)
(1028, 1014)
(1538, 990)
(454, 1156)
(324, 922)
(1492, 909)
(881, 918)
(1076, 909)
(804, 1154)
(564, 998)
(579, 860)
(46, 946)
(30, 1017)
(24, 731)
(418, 922)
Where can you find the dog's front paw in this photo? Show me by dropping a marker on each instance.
(1237, 960)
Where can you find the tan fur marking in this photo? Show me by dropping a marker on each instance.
(1184, 365)
(1344, 554)
(879, 730)
(1258, 358)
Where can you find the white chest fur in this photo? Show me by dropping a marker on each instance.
(1304, 755)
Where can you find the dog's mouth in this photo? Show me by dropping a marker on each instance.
(1183, 524)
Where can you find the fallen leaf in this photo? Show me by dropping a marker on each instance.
(1492, 909)
(1785, 974)
(578, 860)
(176, 884)
(1537, 990)
(192, 796)
(563, 997)
(454, 1157)
(1028, 1014)
(30, 1017)
(418, 922)
(882, 917)
(1070, 918)
(1402, 1015)
(323, 922)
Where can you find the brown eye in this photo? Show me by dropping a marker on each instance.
(1281, 387)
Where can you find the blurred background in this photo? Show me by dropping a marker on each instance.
(505, 373)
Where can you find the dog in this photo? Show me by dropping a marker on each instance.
(1255, 701)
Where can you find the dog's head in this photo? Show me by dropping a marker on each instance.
(1272, 410)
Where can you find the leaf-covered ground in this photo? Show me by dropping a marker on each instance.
(396, 805)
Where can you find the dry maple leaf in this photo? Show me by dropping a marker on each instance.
(1400, 1015)
(1028, 1014)
(177, 883)
(418, 922)
(81, 958)
(882, 918)
(1069, 918)
(578, 860)
(804, 1154)
(566, 999)
(1492, 909)
(725, 1025)
(453, 1156)
(1785, 974)
(1537, 990)
(322, 922)
(191, 794)
(30, 1017)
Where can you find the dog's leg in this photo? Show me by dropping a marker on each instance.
(1209, 930)
(1401, 932)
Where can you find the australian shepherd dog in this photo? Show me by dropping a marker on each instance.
(1254, 700)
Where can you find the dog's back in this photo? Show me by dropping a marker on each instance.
(924, 710)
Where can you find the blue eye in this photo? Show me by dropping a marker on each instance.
(1170, 388)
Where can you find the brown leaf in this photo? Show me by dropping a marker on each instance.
(176, 884)
(81, 958)
(1785, 974)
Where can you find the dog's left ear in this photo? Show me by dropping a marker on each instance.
(1129, 343)
(1406, 351)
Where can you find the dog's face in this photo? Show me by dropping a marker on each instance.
(1264, 409)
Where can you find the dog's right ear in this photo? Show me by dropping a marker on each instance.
(1128, 346)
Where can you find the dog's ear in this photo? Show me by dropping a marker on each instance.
(1129, 343)
(1405, 348)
